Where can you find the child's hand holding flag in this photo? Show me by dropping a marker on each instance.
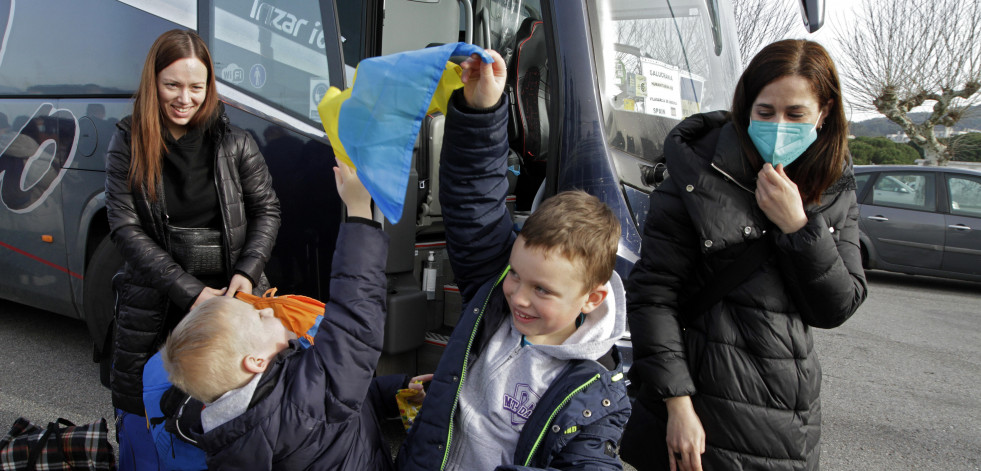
(373, 125)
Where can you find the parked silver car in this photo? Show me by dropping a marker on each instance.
(920, 220)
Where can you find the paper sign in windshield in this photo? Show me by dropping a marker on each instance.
(662, 91)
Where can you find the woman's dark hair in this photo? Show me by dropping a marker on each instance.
(822, 163)
(147, 141)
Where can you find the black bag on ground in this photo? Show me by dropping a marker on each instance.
(62, 445)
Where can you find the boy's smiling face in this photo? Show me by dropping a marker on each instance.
(545, 293)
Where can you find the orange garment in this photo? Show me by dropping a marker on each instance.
(297, 313)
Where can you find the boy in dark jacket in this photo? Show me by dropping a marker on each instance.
(270, 403)
(530, 377)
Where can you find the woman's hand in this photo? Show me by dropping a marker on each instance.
(206, 294)
(483, 83)
(416, 383)
(780, 199)
(352, 191)
(685, 435)
(238, 283)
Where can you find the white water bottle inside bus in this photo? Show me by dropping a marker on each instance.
(429, 277)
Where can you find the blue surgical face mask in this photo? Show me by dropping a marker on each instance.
(782, 143)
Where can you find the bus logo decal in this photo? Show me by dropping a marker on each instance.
(6, 23)
(35, 160)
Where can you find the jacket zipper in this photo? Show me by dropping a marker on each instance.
(463, 370)
(541, 433)
(730, 178)
(221, 204)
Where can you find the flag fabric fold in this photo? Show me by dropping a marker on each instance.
(373, 125)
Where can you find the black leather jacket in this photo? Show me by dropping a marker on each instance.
(151, 278)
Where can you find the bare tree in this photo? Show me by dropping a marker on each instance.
(760, 22)
(902, 54)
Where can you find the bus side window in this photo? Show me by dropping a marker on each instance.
(419, 25)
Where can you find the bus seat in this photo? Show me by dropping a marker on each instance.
(528, 92)
(427, 165)
(428, 146)
(527, 88)
(405, 319)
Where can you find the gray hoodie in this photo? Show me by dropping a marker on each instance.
(506, 381)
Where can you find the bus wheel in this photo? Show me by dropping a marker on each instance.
(98, 302)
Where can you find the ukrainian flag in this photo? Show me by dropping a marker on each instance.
(373, 125)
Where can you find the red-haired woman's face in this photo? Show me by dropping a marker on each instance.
(181, 89)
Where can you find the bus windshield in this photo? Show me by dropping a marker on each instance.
(660, 61)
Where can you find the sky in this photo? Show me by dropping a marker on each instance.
(839, 16)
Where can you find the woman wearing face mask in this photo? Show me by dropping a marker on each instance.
(191, 209)
(751, 242)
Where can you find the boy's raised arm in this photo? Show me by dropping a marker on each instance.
(473, 183)
(352, 191)
(348, 343)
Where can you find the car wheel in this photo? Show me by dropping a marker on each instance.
(98, 302)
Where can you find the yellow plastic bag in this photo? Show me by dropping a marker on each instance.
(408, 410)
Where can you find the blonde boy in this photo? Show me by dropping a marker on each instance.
(273, 405)
(217, 347)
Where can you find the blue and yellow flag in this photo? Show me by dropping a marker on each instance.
(373, 125)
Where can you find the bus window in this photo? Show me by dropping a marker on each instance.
(420, 24)
(660, 62)
(56, 48)
(505, 18)
(274, 50)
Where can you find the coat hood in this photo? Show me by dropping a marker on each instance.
(600, 330)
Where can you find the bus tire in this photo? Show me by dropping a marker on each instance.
(98, 302)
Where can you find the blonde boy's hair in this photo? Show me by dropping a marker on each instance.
(203, 355)
(582, 229)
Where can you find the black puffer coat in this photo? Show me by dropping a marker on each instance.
(151, 278)
(749, 362)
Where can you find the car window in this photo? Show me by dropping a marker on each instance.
(907, 190)
(861, 179)
(965, 195)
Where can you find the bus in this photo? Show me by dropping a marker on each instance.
(594, 87)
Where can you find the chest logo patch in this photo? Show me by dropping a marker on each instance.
(520, 404)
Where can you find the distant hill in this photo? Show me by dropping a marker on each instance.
(877, 127)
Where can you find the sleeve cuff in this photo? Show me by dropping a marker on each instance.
(185, 291)
(460, 103)
(806, 236)
(246, 275)
(367, 222)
